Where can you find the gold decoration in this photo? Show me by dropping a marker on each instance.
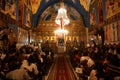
(35, 5)
(85, 4)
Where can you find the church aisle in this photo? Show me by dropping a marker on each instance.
(61, 69)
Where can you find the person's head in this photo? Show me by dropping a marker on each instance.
(31, 59)
(14, 63)
(85, 53)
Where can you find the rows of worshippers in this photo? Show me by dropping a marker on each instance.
(97, 62)
(25, 63)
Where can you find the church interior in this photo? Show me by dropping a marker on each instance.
(59, 40)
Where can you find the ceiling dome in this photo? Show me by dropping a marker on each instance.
(76, 4)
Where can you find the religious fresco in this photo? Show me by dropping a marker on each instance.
(22, 36)
(94, 14)
(92, 17)
(27, 13)
(12, 33)
(9, 7)
(112, 7)
(100, 10)
(35, 5)
(112, 32)
(45, 13)
(75, 13)
(8, 36)
(28, 17)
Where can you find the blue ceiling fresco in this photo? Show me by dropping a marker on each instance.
(76, 4)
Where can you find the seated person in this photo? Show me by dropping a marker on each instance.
(16, 73)
(30, 66)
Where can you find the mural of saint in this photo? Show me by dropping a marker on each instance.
(92, 17)
(28, 17)
(100, 7)
(13, 9)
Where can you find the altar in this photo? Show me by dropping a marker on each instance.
(61, 49)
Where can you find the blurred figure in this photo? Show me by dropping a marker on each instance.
(30, 66)
(16, 73)
(93, 75)
(2, 75)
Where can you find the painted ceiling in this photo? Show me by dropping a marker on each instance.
(81, 6)
(72, 14)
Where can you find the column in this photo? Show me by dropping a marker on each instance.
(87, 35)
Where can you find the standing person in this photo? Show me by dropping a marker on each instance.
(13, 48)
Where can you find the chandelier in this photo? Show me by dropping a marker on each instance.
(61, 32)
(62, 16)
(62, 20)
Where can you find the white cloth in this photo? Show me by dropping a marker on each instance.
(18, 74)
(30, 67)
(84, 58)
(90, 62)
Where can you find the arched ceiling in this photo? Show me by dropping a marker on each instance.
(71, 12)
(82, 6)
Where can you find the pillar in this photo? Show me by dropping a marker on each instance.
(87, 35)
